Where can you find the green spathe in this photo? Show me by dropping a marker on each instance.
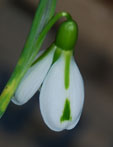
(67, 35)
(66, 116)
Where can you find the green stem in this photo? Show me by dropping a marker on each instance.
(53, 20)
(50, 24)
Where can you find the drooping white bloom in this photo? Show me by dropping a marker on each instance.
(62, 93)
(60, 107)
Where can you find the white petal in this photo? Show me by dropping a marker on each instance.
(32, 80)
(53, 96)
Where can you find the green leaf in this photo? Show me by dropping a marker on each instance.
(44, 13)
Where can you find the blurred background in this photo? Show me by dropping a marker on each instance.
(23, 126)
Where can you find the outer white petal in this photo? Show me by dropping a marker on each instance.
(32, 80)
(53, 95)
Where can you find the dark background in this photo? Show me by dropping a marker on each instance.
(23, 126)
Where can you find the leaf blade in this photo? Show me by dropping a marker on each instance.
(28, 53)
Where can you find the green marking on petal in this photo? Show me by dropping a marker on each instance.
(67, 69)
(66, 116)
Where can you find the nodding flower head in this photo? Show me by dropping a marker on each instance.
(56, 72)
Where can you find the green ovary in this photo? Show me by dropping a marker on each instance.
(66, 116)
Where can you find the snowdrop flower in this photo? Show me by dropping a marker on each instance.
(62, 92)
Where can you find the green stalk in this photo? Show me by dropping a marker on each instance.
(43, 14)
